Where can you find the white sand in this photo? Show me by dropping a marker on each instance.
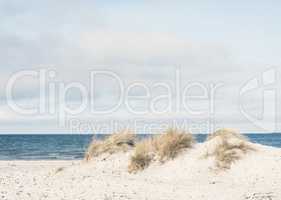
(256, 177)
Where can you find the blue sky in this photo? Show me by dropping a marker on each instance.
(222, 41)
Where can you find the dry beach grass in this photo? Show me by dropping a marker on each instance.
(227, 146)
(161, 148)
(122, 141)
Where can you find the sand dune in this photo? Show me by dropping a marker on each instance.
(257, 176)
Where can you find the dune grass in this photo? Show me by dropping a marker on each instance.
(161, 148)
(229, 146)
(142, 156)
(170, 144)
(226, 133)
(122, 141)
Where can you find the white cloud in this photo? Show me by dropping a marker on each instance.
(138, 41)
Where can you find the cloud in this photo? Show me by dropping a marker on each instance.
(141, 42)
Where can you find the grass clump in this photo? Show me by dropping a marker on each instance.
(161, 148)
(227, 133)
(142, 156)
(116, 142)
(170, 144)
(228, 146)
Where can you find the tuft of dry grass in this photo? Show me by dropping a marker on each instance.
(227, 133)
(116, 142)
(161, 148)
(170, 144)
(229, 146)
(142, 156)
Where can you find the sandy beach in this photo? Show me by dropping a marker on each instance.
(255, 177)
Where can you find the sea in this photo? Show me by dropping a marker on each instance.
(72, 147)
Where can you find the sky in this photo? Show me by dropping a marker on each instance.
(143, 43)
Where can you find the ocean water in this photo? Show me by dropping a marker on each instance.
(70, 147)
